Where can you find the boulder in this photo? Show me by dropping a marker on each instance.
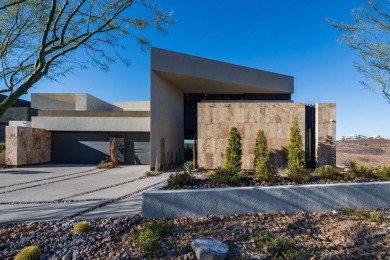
(208, 248)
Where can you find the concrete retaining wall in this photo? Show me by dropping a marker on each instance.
(26, 145)
(222, 201)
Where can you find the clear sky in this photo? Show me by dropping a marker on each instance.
(282, 36)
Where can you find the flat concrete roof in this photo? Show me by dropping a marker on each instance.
(194, 74)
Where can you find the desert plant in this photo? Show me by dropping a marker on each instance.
(29, 253)
(179, 179)
(81, 227)
(261, 162)
(301, 175)
(296, 154)
(278, 247)
(360, 169)
(226, 176)
(382, 173)
(113, 158)
(233, 151)
(2, 147)
(157, 165)
(188, 166)
(149, 235)
(148, 173)
(374, 216)
(328, 172)
(105, 164)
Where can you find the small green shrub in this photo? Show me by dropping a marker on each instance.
(148, 173)
(296, 153)
(106, 165)
(374, 216)
(299, 175)
(81, 227)
(226, 176)
(2, 147)
(149, 235)
(29, 253)
(261, 162)
(382, 173)
(277, 247)
(233, 151)
(179, 179)
(329, 172)
(282, 172)
(189, 166)
(359, 169)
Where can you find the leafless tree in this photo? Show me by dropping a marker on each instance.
(50, 38)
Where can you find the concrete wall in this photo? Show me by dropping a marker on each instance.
(44, 101)
(290, 199)
(166, 117)
(325, 133)
(86, 102)
(216, 119)
(27, 145)
(94, 124)
(133, 105)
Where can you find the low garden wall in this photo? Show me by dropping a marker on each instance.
(158, 203)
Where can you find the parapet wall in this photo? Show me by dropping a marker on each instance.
(26, 145)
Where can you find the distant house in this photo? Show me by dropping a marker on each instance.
(192, 98)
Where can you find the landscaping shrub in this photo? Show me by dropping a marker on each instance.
(189, 166)
(81, 227)
(277, 247)
(329, 172)
(261, 162)
(226, 176)
(374, 216)
(29, 253)
(299, 175)
(179, 179)
(362, 170)
(2, 147)
(233, 151)
(148, 173)
(382, 173)
(149, 235)
(296, 153)
(282, 172)
(106, 165)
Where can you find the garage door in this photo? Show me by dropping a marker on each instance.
(91, 148)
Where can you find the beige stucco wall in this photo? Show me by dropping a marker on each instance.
(325, 133)
(27, 145)
(216, 119)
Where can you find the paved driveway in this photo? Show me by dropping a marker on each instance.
(53, 192)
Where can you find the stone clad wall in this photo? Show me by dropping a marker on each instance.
(325, 133)
(26, 145)
(216, 119)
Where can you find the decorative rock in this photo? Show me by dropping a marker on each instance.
(208, 248)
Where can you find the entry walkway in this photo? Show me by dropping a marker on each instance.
(54, 192)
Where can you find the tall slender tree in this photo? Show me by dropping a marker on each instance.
(261, 163)
(51, 38)
(296, 153)
(233, 151)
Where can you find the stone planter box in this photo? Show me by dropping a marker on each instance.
(157, 203)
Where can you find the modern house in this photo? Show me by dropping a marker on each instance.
(192, 98)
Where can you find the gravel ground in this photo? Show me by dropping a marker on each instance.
(328, 235)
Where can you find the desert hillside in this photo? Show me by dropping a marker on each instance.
(374, 152)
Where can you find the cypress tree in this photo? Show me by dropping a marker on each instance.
(296, 154)
(261, 162)
(233, 151)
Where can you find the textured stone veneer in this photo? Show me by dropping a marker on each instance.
(325, 133)
(216, 119)
(26, 145)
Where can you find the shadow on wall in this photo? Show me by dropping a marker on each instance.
(278, 158)
(326, 152)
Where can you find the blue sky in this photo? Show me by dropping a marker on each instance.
(287, 37)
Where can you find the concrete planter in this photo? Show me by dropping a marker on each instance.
(158, 203)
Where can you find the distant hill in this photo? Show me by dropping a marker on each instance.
(371, 151)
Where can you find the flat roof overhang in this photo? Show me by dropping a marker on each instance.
(193, 74)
